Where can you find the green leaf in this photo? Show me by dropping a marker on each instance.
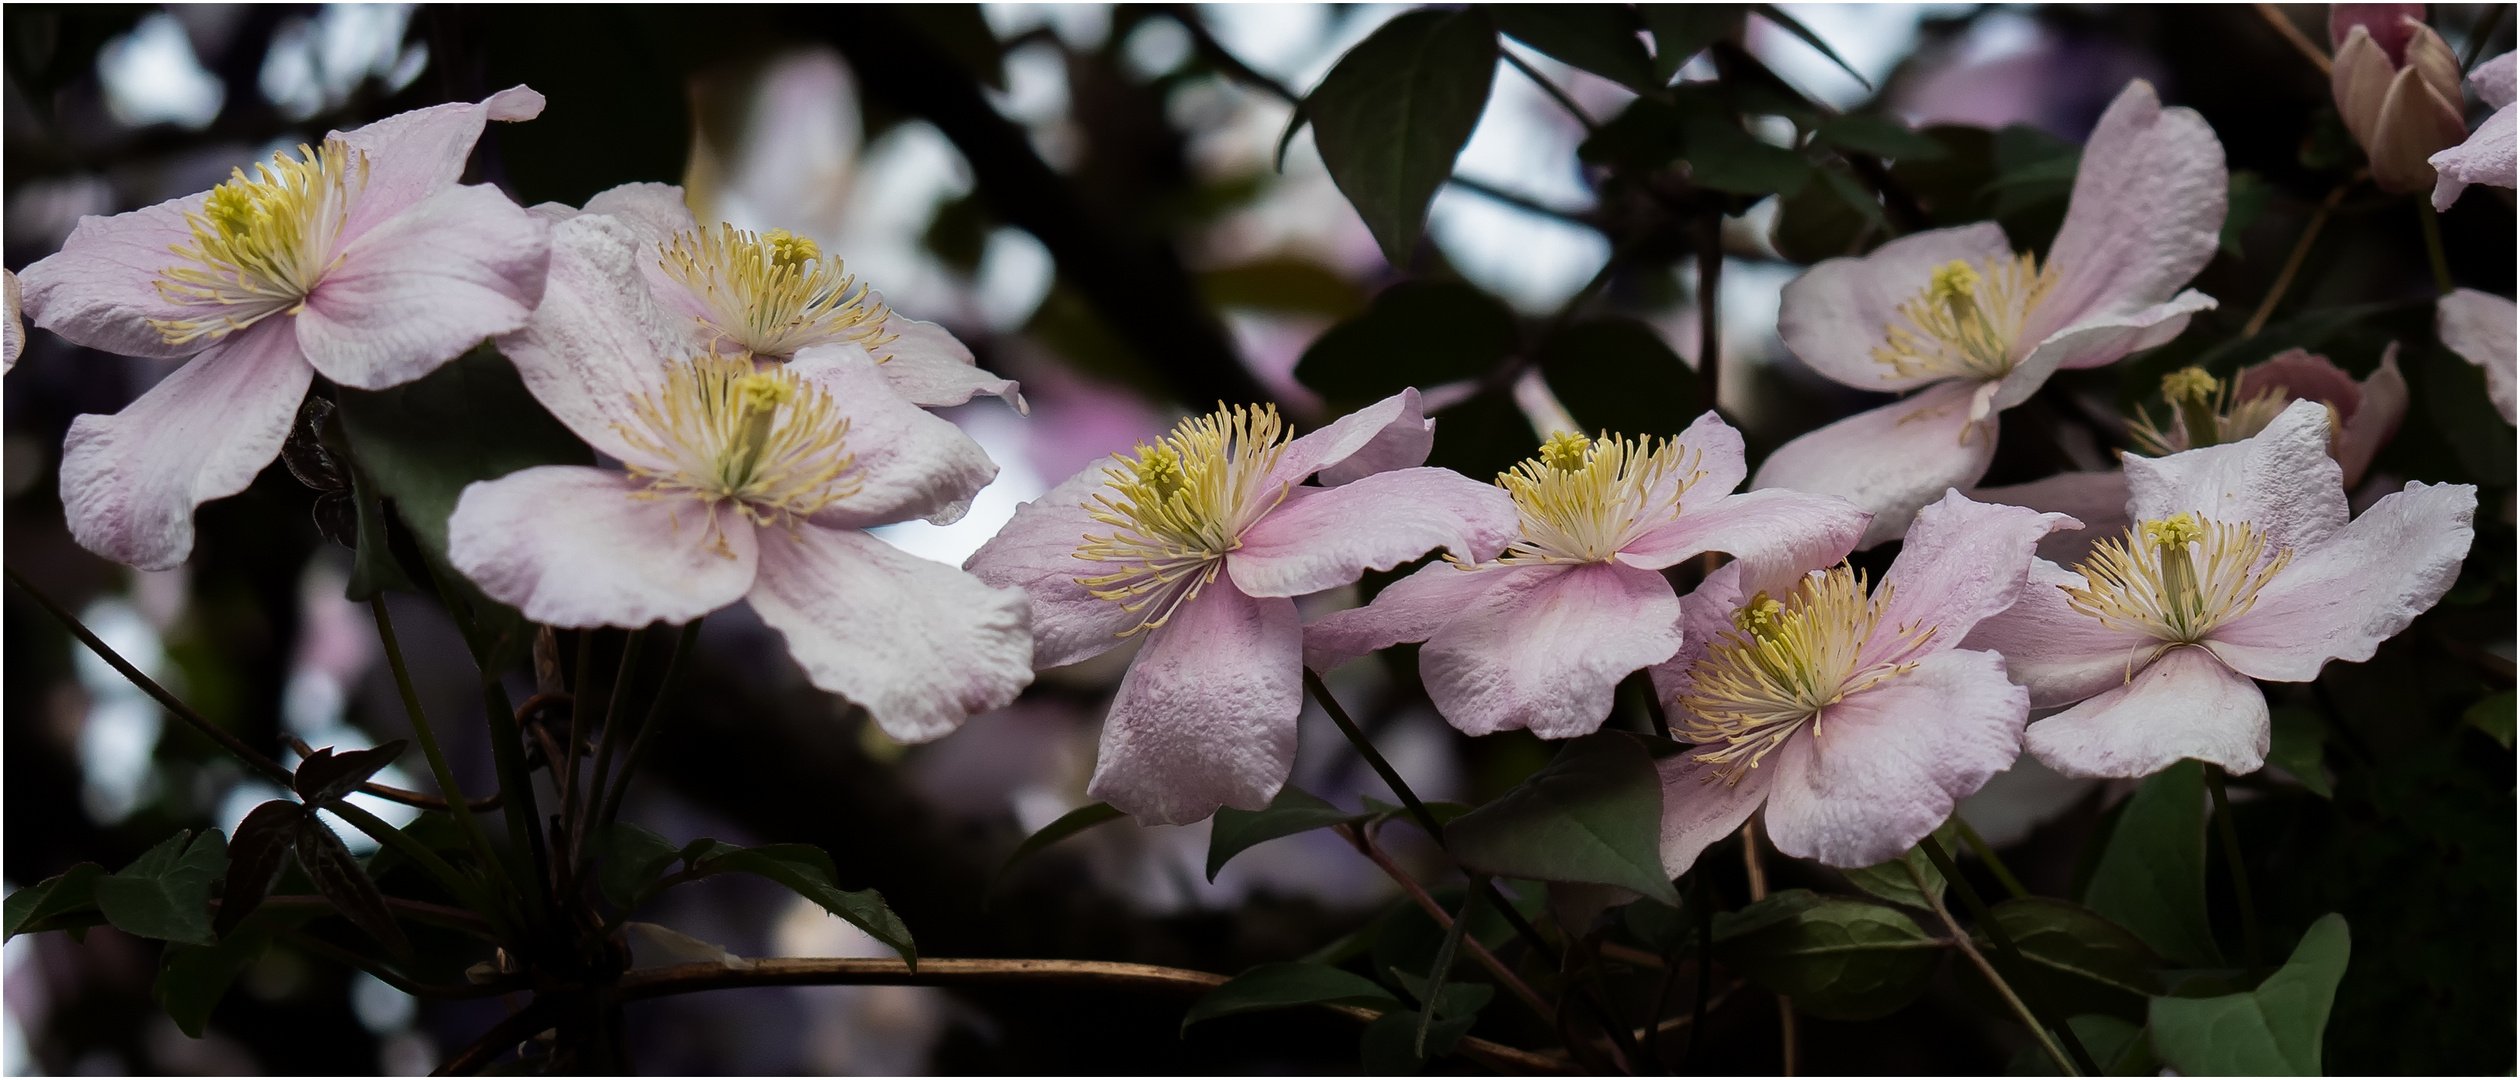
(633, 859)
(1838, 216)
(1416, 333)
(1953, 189)
(1880, 136)
(1293, 811)
(1285, 986)
(347, 886)
(1396, 110)
(2491, 715)
(806, 870)
(1795, 27)
(1389, 1046)
(2080, 962)
(1724, 157)
(165, 893)
(2299, 748)
(1646, 135)
(69, 891)
(255, 859)
(193, 978)
(1443, 812)
(1682, 31)
(328, 776)
(2274, 1030)
(1616, 374)
(1069, 824)
(1592, 815)
(1839, 959)
(2249, 196)
(1599, 38)
(1890, 880)
(1454, 999)
(2151, 879)
(2120, 1048)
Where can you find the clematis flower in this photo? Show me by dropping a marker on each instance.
(741, 480)
(2479, 327)
(2397, 86)
(2486, 156)
(1975, 329)
(361, 259)
(1540, 637)
(772, 295)
(15, 328)
(1853, 715)
(2241, 565)
(1200, 542)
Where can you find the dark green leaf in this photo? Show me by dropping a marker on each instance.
(1069, 824)
(165, 893)
(1396, 110)
(1593, 815)
(1953, 189)
(1452, 1000)
(1880, 136)
(2152, 878)
(1483, 436)
(1644, 137)
(2120, 1048)
(255, 859)
(347, 886)
(1416, 333)
(1443, 812)
(1837, 958)
(633, 858)
(2080, 963)
(1890, 880)
(2299, 748)
(1285, 986)
(1685, 30)
(1838, 216)
(1724, 157)
(2454, 393)
(194, 978)
(2274, 1030)
(1661, 928)
(2491, 715)
(71, 890)
(1616, 374)
(2249, 195)
(1795, 27)
(1293, 811)
(1389, 1047)
(1599, 38)
(2033, 170)
(807, 871)
(327, 776)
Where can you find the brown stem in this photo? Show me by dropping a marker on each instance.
(1758, 891)
(1710, 278)
(2292, 263)
(1969, 948)
(387, 975)
(2301, 42)
(1443, 919)
(415, 799)
(496, 1041)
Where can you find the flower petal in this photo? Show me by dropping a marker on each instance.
(572, 545)
(2493, 80)
(1716, 454)
(1882, 769)
(2280, 480)
(13, 331)
(921, 645)
(1545, 648)
(1410, 609)
(2385, 24)
(2184, 705)
(2059, 654)
(2484, 157)
(2097, 499)
(1840, 310)
(1206, 716)
(100, 290)
(2099, 342)
(2479, 327)
(2370, 427)
(911, 463)
(1698, 809)
(2146, 215)
(1036, 552)
(130, 481)
(2358, 78)
(1890, 461)
(461, 265)
(655, 213)
(1963, 561)
(1779, 534)
(1705, 617)
(2416, 122)
(595, 346)
(931, 367)
(413, 155)
(1322, 538)
(2340, 600)
(1393, 433)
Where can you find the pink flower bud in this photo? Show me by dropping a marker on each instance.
(2398, 89)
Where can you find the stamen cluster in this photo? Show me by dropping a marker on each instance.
(766, 441)
(261, 244)
(1180, 505)
(1582, 500)
(773, 293)
(1785, 663)
(2209, 412)
(2187, 575)
(1966, 322)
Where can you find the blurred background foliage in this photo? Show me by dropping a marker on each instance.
(1091, 197)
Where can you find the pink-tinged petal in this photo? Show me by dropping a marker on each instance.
(1036, 552)
(100, 290)
(462, 265)
(2099, 342)
(1963, 561)
(1890, 461)
(1840, 310)
(1322, 538)
(2432, 59)
(571, 545)
(2184, 705)
(654, 213)
(1705, 617)
(2097, 499)
(2280, 480)
(2057, 653)
(130, 481)
(2486, 157)
(2386, 25)
(2340, 600)
(2370, 427)
(1546, 647)
(12, 332)
(2146, 215)
(919, 644)
(1206, 716)
(1717, 456)
(911, 463)
(2416, 122)
(595, 347)
(931, 367)
(2493, 80)
(2300, 374)
(1410, 609)
(1776, 534)
(1700, 809)
(2480, 327)
(1883, 769)
(413, 155)
(2358, 78)
(1393, 433)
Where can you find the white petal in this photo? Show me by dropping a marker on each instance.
(1890, 461)
(2280, 480)
(2184, 705)
(571, 545)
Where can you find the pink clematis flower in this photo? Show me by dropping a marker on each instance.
(361, 259)
(1975, 329)
(1201, 542)
(772, 295)
(2486, 156)
(1856, 719)
(743, 480)
(2241, 565)
(2396, 85)
(2479, 327)
(1540, 637)
(15, 328)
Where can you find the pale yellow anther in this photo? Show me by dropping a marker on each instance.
(1786, 662)
(2176, 578)
(2189, 384)
(1760, 618)
(1180, 506)
(770, 294)
(790, 250)
(1966, 321)
(1582, 500)
(261, 243)
(1566, 451)
(1159, 468)
(2177, 531)
(765, 443)
(1955, 286)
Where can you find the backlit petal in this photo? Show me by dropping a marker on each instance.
(2061, 655)
(1545, 648)
(2479, 327)
(1839, 311)
(1036, 552)
(571, 545)
(1963, 561)
(1324, 538)
(911, 463)
(460, 266)
(1206, 716)
(2146, 215)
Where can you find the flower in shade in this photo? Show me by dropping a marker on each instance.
(1199, 542)
(2397, 86)
(2486, 156)
(741, 480)
(361, 259)
(1540, 637)
(2478, 326)
(1975, 329)
(15, 328)
(2240, 565)
(1851, 713)
(770, 295)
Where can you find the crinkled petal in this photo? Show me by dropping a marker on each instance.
(1393, 433)
(101, 289)
(595, 348)
(2146, 215)
(919, 644)
(2370, 427)
(2298, 374)
(1963, 561)
(910, 463)
(130, 481)
(2184, 705)
(1206, 716)
(1840, 310)
(2485, 157)
(459, 266)
(12, 332)
(1322, 538)
(2280, 480)
(1410, 609)
(1036, 552)
(931, 367)
(1882, 769)
(1890, 461)
(2493, 80)
(1778, 534)
(1716, 456)
(654, 213)
(2099, 342)
(2340, 600)
(1545, 648)
(2416, 121)
(571, 545)
(1700, 809)
(2097, 499)
(413, 155)
(2479, 327)
(2057, 653)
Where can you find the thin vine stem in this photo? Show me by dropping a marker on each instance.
(1366, 846)
(2021, 1009)
(386, 975)
(2002, 938)
(2241, 894)
(683, 644)
(1756, 867)
(507, 752)
(1994, 864)
(2434, 254)
(612, 721)
(2292, 263)
(1564, 100)
(457, 805)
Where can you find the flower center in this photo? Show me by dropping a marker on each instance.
(766, 441)
(2209, 413)
(1785, 662)
(773, 293)
(260, 244)
(1180, 506)
(2187, 575)
(1581, 500)
(1966, 321)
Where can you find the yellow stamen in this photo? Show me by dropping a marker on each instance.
(1786, 663)
(773, 293)
(2208, 414)
(769, 443)
(2188, 575)
(1581, 500)
(1566, 451)
(260, 244)
(1966, 322)
(1182, 504)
